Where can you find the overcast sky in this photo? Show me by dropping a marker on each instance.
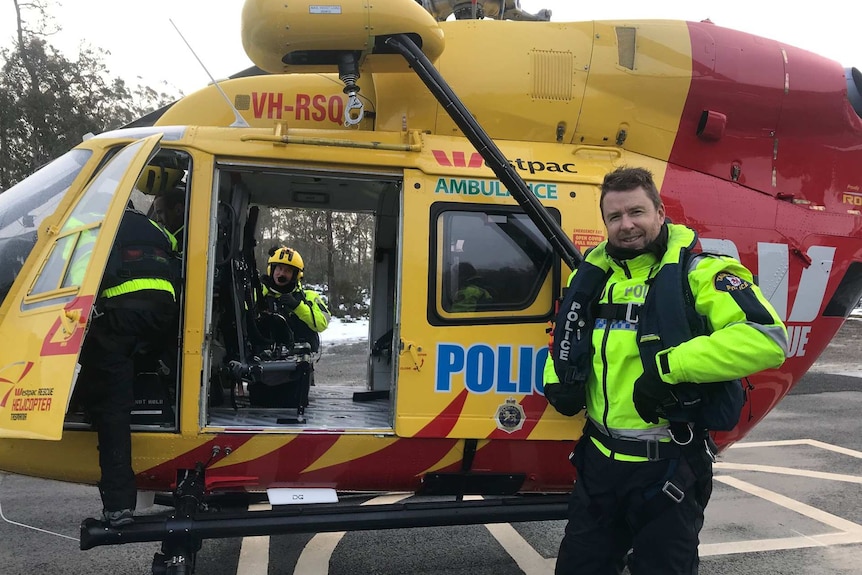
(143, 43)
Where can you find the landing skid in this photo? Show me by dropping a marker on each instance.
(182, 532)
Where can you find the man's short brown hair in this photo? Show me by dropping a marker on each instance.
(624, 179)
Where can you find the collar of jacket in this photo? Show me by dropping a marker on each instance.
(679, 237)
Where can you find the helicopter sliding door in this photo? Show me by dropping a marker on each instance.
(48, 307)
(476, 296)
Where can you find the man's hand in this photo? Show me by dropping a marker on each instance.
(650, 394)
(289, 300)
(566, 398)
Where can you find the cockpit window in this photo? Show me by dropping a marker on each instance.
(26, 204)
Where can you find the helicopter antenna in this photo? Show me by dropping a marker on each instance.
(239, 121)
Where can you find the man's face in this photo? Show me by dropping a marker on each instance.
(282, 274)
(631, 218)
(171, 218)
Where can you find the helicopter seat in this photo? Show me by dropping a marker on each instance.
(282, 373)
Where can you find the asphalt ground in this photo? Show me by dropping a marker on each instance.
(787, 500)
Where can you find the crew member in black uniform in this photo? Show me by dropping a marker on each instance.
(136, 311)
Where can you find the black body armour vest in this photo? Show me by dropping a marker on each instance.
(140, 251)
(666, 319)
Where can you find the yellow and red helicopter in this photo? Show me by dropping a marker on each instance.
(478, 140)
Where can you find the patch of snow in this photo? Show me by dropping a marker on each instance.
(345, 330)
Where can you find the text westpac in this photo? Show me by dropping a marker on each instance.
(459, 159)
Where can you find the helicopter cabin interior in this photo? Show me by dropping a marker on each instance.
(262, 374)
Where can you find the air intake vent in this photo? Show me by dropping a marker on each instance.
(626, 42)
(553, 74)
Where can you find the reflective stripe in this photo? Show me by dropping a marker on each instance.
(776, 333)
(170, 237)
(601, 323)
(139, 285)
(653, 433)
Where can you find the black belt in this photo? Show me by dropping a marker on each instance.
(652, 449)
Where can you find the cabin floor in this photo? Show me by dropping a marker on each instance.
(329, 407)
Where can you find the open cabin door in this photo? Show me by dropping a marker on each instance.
(477, 291)
(49, 307)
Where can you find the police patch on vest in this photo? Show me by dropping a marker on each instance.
(729, 282)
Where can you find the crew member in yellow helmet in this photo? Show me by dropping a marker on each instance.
(282, 292)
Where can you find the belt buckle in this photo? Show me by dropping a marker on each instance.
(652, 449)
(631, 315)
(675, 493)
(708, 444)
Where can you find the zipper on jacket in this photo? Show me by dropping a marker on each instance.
(604, 353)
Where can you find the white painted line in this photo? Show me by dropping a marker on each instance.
(315, 556)
(781, 544)
(724, 466)
(811, 442)
(769, 443)
(254, 553)
(849, 532)
(527, 558)
(836, 448)
(793, 505)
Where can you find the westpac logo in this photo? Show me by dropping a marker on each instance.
(10, 376)
(773, 267)
(459, 159)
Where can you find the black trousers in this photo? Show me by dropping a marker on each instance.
(106, 384)
(612, 512)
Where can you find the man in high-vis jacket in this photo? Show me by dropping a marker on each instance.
(283, 293)
(169, 210)
(643, 481)
(136, 311)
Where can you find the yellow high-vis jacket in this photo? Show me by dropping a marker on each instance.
(745, 335)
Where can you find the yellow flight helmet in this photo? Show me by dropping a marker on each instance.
(288, 257)
(158, 179)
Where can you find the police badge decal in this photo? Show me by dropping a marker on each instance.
(510, 416)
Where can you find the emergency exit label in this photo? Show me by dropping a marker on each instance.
(324, 9)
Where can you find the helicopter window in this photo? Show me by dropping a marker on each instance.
(53, 272)
(492, 262)
(26, 204)
(71, 252)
